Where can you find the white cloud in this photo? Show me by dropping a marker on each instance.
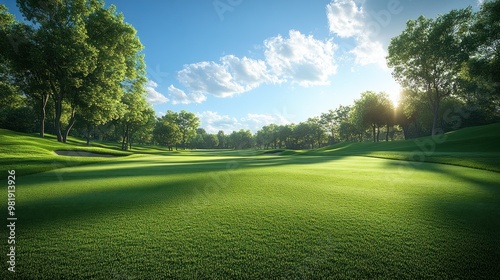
(229, 77)
(212, 122)
(255, 122)
(369, 52)
(301, 59)
(180, 97)
(154, 97)
(346, 20)
(259, 119)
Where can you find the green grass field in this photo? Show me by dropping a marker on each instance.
(346, 211)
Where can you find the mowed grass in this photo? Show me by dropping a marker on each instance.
(255, 215)
(28, 154)
(190, 217)
(475, 147)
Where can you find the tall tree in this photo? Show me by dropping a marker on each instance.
(19, 67)
(428, 55)
(167, 133)
(369, 111)
(137, 114)
(89, 52)
(188, 123)
(330, 123)
(222, 139)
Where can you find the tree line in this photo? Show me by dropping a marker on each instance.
(76, 68)
(73, 61)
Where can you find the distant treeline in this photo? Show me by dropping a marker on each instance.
(59, 74)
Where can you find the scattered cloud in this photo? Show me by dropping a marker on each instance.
(213, 121)
(154, 97)
(301, 59)
(348, 20)
(255, 122)
(229, 77)
(345, 18)
(369, 52)
(180, 97)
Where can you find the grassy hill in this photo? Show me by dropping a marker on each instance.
(475, 147)
(323, 214)
(29, 154)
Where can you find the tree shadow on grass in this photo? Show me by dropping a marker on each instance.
(453, 171)
(159, 181)
(162, 166)
(466, 223)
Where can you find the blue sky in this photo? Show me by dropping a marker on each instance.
(247, 63)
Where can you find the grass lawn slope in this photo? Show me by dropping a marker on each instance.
(231, 215)
(28, 154)
(475, 147)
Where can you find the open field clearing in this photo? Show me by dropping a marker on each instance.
(192, 216)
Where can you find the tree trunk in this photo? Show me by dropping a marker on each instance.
(129, 140)
(387, 134)
(88, 134)
(374, 134)
(378, 133)
(124, 141)
(57, 119)
(435, 118)
(45, 99)
(435, 104)
(70, 125)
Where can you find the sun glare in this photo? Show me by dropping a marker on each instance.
(394, 98)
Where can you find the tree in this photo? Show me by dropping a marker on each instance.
(329, 122)
(387, 113)
(167, 133)
(485, 59)
(412, 116)
(211, 141)
(284, 134)
(241, 139)
(137, 113)
(19, 70)
(428, 55)
(188, 123)
(481, 76)
(371, 110)
(222, 139)
(342, 114)
(317, 131)
(89, 54)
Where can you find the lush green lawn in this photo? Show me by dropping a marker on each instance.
(230, 215)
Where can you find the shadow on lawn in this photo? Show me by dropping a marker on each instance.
(468, 221)
(193, 191)
(408, 167)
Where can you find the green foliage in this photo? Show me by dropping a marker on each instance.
(188, 123)
(167, 132)
(373, 111)
(428, 56)
(241, 139)
(81, 54)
